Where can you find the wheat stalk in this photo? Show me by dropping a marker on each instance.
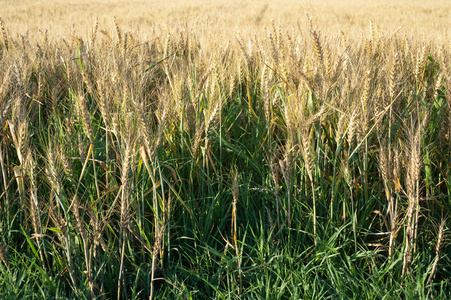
(243, 51)
(4, 257)
(146, 131)
(414, 165)
(393, 76)
(235, 194)
(315, 38)
(420, 63)
(118, 31)
(34, 204)
(61, 222)
(156, 249)
(438, 248)
(124, 212)
(4, 34)
(86, 119)
(4, 104)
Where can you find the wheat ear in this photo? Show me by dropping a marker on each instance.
(438, 248)
(4, 35)
(124, 217)
(412, 183)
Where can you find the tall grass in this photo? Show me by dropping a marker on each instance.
(286, 165)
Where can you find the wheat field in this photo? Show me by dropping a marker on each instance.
(225, 149)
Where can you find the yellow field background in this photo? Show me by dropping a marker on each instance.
(429, 18)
